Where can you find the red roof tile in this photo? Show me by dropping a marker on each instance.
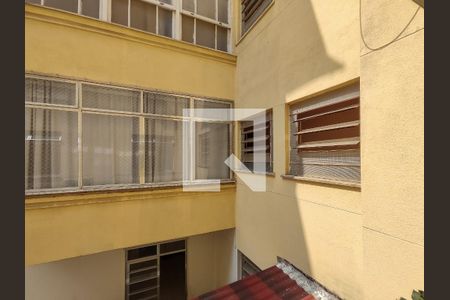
(270, 284)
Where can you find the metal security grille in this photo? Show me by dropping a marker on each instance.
(325, 136)
(143, 270)
(251, 10)
(109, 98)
(256, 143)
(246, 266)
(86, 136)
(50, 92)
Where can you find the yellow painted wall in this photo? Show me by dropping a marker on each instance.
(299, 48)
(361, 243)
(62, 44)
(392, 110)
(68, 45)
(73, 225)
(212, 262)
(96, 277)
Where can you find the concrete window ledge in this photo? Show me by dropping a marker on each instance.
(354, 185)
(270, 174)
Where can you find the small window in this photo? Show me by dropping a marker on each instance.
(156, 271)
(251, 10)
(67, 5)
(90, 8)
(206, 23)
(50, 92)
(256, 143)
(119, 12)
(143, 16)
(325, 136)
(246, 266)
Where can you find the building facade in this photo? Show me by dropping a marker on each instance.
(107, 213)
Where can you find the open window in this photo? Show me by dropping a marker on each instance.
(325, 136)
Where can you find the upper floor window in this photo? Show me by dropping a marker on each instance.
(88, 136)
(202, 22)
(250, 12)
(325, 136)
(256, 142)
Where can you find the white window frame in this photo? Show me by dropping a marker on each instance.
(177, 12)
(78, 107)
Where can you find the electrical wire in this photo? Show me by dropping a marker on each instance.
(387, 44)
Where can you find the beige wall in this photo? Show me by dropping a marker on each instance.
(392, 110)
(68, 45)
(62, 44)
(61, 227)
(93, 277)
(297, 49)
(211, 261)
(361, 243)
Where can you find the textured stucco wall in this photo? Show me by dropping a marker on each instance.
(64, 44)
(211, 261)
(299, 48)
(392, 110)
(93, 277)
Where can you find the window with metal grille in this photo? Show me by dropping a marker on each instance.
(246, 266)
(256, 143)
(251, 10)
(86, 136)
(156, 271)
(325, 136)
(201, 22)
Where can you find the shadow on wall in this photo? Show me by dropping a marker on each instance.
(286, 51)
(284, 58)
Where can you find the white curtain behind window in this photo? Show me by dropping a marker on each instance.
(110, 149)
(51, 149)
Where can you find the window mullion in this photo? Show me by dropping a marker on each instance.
(80, 135)
(141, 141)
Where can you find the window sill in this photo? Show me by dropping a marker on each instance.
(118, 188)
(270, 174)
(354, 185)
(84, 197)
(254, 24)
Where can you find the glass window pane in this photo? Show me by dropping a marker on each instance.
(33, 1)
(141, 252)
(50, 92)
(110, 149)
(187, 29)
(143, 16)
(205, 34)
(51, 149)
(165, 22)
(212, 110)
(162, 104)
(172, 246)
(207, 8)
(90, 8)
(67, 5)
(166, 1)
(163, 150)
(119, 12)
(222, 38)
(211, 150)
(189, 5)
(223, 11)
(101, 97)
